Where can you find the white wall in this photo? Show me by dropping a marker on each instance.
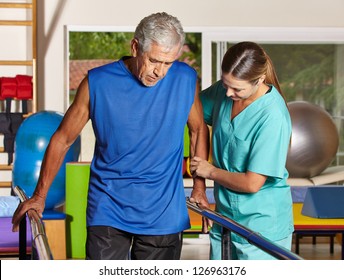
(53, 15)
(13, 40)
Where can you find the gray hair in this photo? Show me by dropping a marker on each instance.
(160, 28)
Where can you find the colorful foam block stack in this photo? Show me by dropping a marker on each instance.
(18, 87)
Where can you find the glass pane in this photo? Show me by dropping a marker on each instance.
(91, 49)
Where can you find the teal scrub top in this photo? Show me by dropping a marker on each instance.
(256, 140)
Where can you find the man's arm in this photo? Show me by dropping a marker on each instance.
(199, 146)
(72, 124)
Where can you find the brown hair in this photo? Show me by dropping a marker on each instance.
(248, 61)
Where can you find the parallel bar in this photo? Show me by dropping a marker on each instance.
(16, 62)
(40, 241)
(6, 167)
(4, 184)
(226, 250)
(16, 5)
(251, 236)
(16, 22)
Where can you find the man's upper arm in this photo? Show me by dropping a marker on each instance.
(195, 120)
(76, 116)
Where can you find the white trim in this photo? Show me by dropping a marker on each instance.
(66, 68)
(99, 28)
(276, 34)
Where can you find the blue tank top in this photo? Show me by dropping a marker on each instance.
(136, 182)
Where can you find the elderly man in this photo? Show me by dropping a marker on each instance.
(138, 106)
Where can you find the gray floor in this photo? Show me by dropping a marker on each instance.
(198, 249)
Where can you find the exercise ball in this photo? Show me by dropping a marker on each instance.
(31, 141)
(314, 140)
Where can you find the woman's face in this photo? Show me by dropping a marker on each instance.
(239, 89)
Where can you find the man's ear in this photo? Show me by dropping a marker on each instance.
(134, 45)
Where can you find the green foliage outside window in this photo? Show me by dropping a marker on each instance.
(306, 72)
(99, 45)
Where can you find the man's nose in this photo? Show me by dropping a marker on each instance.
(159, 70)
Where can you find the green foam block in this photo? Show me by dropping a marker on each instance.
(77, 178)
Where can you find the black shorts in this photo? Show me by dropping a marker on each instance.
(107, 243)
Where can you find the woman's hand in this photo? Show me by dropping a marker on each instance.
(200, 167)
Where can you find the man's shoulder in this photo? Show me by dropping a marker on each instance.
(111, 68)
(182, 66)
(104, 66)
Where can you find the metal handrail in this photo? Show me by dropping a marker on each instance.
(251, 236)
(39, 239)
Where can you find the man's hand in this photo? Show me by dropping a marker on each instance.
(36, 203)
(199, 197)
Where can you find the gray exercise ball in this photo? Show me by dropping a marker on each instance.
(314, 140)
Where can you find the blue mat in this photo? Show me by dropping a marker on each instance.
(324, 202)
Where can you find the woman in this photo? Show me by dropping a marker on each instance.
(251, 130)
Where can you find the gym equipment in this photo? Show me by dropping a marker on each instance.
(324, 202)
(314, 140)
(77, 178)
(230, 226)
(31, 141)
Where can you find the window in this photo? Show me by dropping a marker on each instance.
(309, 61)
(309, 64)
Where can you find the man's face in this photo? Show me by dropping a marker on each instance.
(152, 66)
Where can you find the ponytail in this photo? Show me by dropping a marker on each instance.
(271, 76)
